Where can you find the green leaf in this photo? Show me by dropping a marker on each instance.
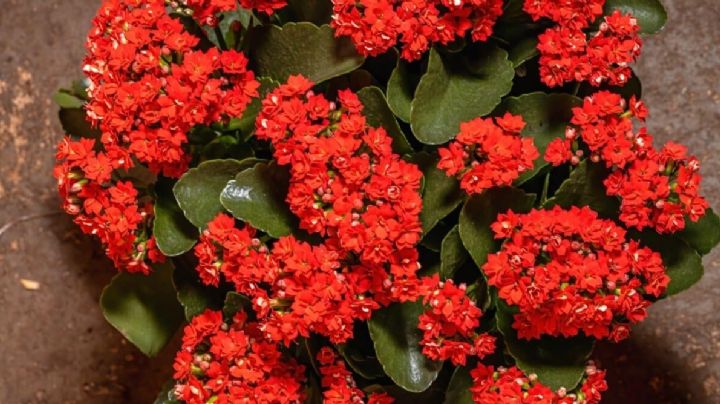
(143, 308)
(246, 124)
(378, 114)
(704, 234)
(546, 117)
(315, 11)
(302, 48)
(401, 90)
(74, 123)
(395, 334)
(360, 354)
(523, 51)
(558, 362)
(167, 395)
(191, 293)
(480, 211)
(651, 14)
(174, 234)
(67, 100)
(441, 194)
(456, 89)
(585, 188)
(234, 302)
(682, 263)
(452, 254)
(198, 190)
(458, 392)
(257, 196)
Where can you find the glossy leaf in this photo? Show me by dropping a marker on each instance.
(441, 194)
(378, 114)
(458, 392)
(457, 88)
(166, 395)
(198, 190)
(558, 362)
(193, 295)
(235, 302)
(480, 211)
(143, 308)
(546, 116)
(75, 124)
(523, 51)
(682, 263)
(246, 124)
(585, 188)
(401, 90)
(173, 233)
(452, 254)
(67, 100)
(302, 48)
(360, 354)
(651, 14)
(396, 338)
(257, 196)
(704, 234)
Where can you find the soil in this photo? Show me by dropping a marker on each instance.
(56, 346)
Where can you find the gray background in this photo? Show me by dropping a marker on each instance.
(56, 346)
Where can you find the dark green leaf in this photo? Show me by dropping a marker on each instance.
(315, 11)
(395, 334)
(74, 123)
(174, 234)
(682, 263)
(257, 196)
(452, 254)
(378, 114)
(480, 211)
(585, 188)
(651, 14)
(558, 362)
(704, 234)
(166, 395)
(234, 302)
(143, 308)
(458, 391)
(191, 293)
(523, 51)
(456, 89)
(360, 354)
(302, 48)
(441, 194)
(401, 90)
(546, 117)
(198, 190)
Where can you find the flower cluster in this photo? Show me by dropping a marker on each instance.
(449, 325)
(231, 362)
(206, 12)
(110, 211)
(658, 188)
(503, 385)
(488, 153)
(339, 385)
(566, 52)
(377, 25)
(568, 272)
(346, 183)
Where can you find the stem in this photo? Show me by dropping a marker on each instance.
(576, 89)
(220, 38)
(546, 186)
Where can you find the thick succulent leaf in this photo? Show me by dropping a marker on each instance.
(546, 117)
(378, 114)
(401, 90)
(302, 48)
(457, 88)
(198, 190)
(257, 196)
(458, 392)
(651, 14)
(704, 234)
(360, 354)
(558, 362)
(395, 334)
(585, 188)
(166, 395)
(523, 51)
(441, 194)
(173, 233)
(246, 124)
(75, 124)
(193, 295)
(481, 211)
(144, 308)
(452, 254)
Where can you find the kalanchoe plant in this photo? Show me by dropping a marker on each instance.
(378, 201)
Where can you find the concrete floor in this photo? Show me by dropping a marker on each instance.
(56, 346)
